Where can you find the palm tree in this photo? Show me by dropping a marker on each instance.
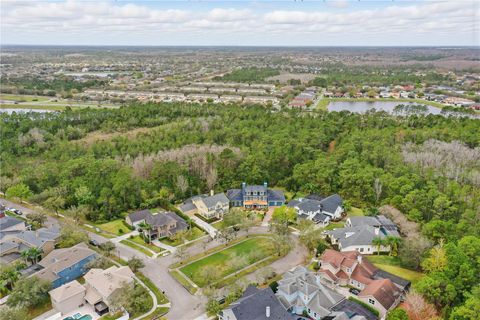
(25, 255)
(146, 227)
(11, 276)
(378, 242)
(35, 254)
(393, 242)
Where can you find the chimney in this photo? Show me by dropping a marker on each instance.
(243, 185)
(211, 193)
(267, 312)
(265, 184)
(359, 258)
(377, 230)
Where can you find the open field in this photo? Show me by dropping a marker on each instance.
(23, 98)
(229, 260)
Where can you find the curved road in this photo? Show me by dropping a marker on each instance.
(184, 306)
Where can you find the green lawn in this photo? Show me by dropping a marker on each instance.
(334, 225)
(115, 227)
(161, 298)
(136, 247)
(194, 233)
(355, 212)
(40, 309)
(220, 260)
(218, 225)
(392, 265)
(23, 98)
(177, 276)
(140, 241)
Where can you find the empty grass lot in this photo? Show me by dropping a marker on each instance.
(114, 227)
(392, 265)
(249, 251)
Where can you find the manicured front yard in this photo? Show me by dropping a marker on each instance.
(231, 259)
(193, 234)
(117, 227)
(140, 241)
(136, 247)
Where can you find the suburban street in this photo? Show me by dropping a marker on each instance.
(183, 304)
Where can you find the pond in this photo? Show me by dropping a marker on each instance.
(388, 106)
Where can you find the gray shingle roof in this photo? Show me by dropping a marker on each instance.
(235, 195)
(331, 203)
(275, 195)
(139, 215)
(402, 283)
(304, 281)
(253, 305)
(360, 235)
(211, 201)
(7, 222)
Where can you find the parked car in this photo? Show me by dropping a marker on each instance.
(354, 291)
(18, 212)
(94, 242)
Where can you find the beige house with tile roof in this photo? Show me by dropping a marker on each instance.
(101, 284)
(68, 297)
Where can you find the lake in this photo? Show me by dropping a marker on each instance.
(364, 106)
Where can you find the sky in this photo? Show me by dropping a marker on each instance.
(241, 23)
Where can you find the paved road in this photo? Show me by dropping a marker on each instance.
(184, 306)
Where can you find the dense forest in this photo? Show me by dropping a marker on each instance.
(116, 160)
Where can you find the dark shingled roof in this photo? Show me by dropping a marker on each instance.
(7, 222)
(139, 215)
(235, 195)
(402, 283)
(275, 195)
(352, 308)
(330, 204)
(252, 306)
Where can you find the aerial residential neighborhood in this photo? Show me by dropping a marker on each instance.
(239, 160)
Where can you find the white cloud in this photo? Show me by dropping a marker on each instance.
(76, 22)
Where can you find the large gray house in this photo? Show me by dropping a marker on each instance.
(256, 304)
(359, 233)
(162, 224)
(318, 209)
